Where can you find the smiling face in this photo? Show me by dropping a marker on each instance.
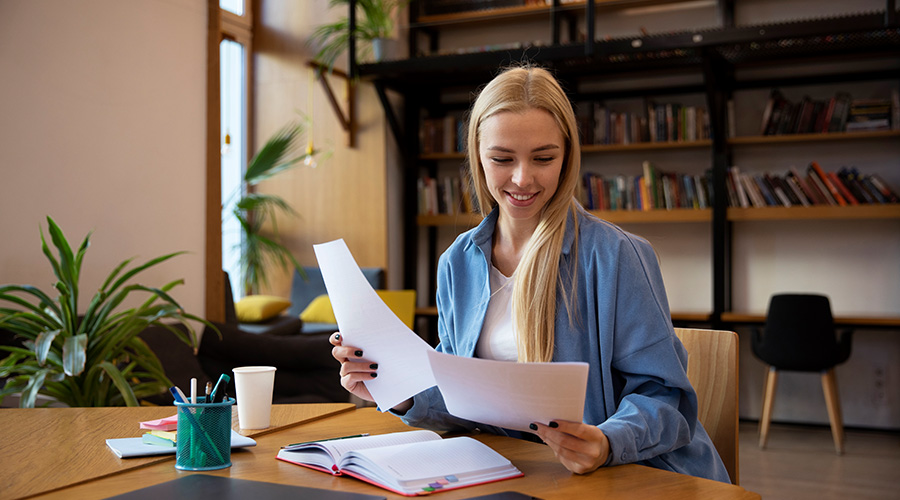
(522, 155)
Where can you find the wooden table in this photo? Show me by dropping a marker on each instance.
(544, 476)
(43, 449)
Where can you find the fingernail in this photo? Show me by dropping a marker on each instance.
(358, 354)
(553, 424)
(373, 375)
(374, 366)
(337, 336)
(532, 427)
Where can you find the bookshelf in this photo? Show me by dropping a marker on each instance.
(718, 62)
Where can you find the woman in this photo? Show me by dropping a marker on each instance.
(542, 280)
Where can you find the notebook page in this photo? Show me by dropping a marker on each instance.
(459, 456)
(340, 447)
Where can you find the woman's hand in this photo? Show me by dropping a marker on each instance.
(580, 447)
(355, 369)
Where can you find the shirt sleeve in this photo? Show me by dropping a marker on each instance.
(656, 408)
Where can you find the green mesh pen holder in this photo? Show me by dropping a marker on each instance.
(204, 435)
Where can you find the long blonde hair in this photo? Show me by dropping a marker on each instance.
(517, 90)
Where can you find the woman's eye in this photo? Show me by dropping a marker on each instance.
(544, 159)
(501, 160)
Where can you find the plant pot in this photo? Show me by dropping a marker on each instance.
(384, 49)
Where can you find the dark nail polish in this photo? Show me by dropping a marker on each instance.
(374, 366)
(358, 354)
(373, 375)
(337, 336)
(553, 424)
(532, 427)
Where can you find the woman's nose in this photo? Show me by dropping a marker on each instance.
(522, 175)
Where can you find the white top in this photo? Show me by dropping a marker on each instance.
(498, 337)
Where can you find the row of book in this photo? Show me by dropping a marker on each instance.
(845, 187)
(452, 194)
(653, 190)
(840, 113)
(668, 122)
(442, 135)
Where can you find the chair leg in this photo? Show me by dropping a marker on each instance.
(768, 400)
(829, 387)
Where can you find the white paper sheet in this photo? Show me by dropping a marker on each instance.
(366, 322)
(510, 395)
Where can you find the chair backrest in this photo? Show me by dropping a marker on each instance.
(402, 303)
(713, 372)
(800, 334)
(303, 291)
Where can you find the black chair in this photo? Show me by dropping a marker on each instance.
(800, 336)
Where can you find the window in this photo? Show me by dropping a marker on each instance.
(234, 80)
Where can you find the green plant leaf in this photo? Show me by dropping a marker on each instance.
(119, 381)
(42, 344)
(31, 390)
(74, 354)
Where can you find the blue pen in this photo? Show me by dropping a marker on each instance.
(214, 396)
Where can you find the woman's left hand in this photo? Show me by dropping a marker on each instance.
(580, 447)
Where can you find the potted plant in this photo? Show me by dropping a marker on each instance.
(254, 211)
(94, 358)
(374, 22)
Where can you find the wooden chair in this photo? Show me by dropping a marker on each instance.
(713, 371)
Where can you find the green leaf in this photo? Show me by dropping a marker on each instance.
(74, 354)
(121, 384)
(43, 343)
(31, 390)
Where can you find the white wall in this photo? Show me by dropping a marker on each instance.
(103, 127)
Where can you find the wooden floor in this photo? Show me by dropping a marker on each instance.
(800, 463)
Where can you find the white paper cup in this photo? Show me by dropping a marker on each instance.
(253, 387)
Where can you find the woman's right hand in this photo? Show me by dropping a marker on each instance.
(355, 369)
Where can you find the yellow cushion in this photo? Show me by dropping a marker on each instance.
(318, 311)
(255, 308)
(401, 302)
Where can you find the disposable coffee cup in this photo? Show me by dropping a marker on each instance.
(253, 387)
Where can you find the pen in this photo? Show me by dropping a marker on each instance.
(208, 390)
(214, 395)
(330, 439)
(193, 391)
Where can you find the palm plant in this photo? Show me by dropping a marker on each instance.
(376, 21)
(256, 211)
(90, 359)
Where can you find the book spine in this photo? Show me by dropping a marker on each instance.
(828, 185)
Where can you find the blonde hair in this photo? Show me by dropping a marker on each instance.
(517, 90)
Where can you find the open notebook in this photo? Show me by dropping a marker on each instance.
(409, 463)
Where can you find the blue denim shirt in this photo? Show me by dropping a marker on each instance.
(638, 392)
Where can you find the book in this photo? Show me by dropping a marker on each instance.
(817, 170)
(410, 463)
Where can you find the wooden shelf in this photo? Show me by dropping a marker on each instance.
(645, 146)
(889, 211)
(598, 148)
(614, 216)
(676, 316)
(796, 138)
(651, 216)
(862, 321)
(520, 11)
